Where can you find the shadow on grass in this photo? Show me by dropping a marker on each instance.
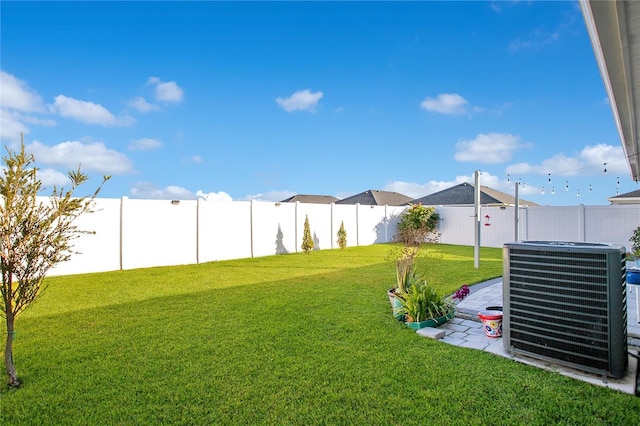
(323, 348)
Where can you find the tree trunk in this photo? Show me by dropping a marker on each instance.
(8, 354)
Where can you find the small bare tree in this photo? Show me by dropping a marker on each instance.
(34, 236)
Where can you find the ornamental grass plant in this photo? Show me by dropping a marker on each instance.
(290, 339)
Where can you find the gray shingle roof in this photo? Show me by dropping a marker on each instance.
(316, 199)
(463, 195)
(632, 194)
(373, 197)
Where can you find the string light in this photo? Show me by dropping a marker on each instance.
(566, 186)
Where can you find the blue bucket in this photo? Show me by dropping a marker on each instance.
(633, 276)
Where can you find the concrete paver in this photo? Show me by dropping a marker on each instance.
(466, 330)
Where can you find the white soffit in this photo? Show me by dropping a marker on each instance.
(614, 28)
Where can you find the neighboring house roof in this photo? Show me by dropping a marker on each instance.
(316, 199)
(373, 197)
(632, 197)
(463, 195)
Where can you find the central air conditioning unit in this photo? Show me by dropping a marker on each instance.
(567, 303)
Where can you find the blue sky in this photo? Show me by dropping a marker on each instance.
(264, 100)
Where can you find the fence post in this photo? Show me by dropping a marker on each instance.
(297, 223)
(517, 211)
(198, 231)
(332, 225)
(581, 223)
(477, 223)
(251, 226)
(357, 224)
(122, 203)
(386, 223)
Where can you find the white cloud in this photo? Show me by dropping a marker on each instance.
(590, 161)
(488, 148)
(91, 156)
(418, 190)
(17, 95)
(148, 190)
(534, 40)
(541, 37)
(18, 104)
(166, 91)
(446, 103)
(51, 178)
(88, 112)
(144, 144)
(140, 104)
(303, 100)
(214, 196)
(172, 192)
(11, 126)
(32, 119)
(271, 196)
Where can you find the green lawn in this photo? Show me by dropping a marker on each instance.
(290, 339)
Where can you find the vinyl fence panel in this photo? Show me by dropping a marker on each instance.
(273, 229)
(99, 251)
(224, 230)
(158, 232)
(144, 233)
(319, 224)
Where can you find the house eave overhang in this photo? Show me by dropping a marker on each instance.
(614, 29)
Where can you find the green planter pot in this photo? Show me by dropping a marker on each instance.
(395, 305)
(431, 322)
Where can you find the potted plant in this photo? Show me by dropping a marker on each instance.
(405, 273)
(421, 306)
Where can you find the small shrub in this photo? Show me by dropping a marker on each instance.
(342, 236)
(416, 225)
(307, 241)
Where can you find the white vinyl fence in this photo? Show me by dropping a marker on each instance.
(131, 233)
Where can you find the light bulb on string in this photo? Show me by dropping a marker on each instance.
(605, 168)
(578, 193)
(549, 177)
(590, 188)
(553, 190)
(542, 191)
(508, 179)
(566, 185)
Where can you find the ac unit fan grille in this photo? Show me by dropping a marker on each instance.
(559, 305)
